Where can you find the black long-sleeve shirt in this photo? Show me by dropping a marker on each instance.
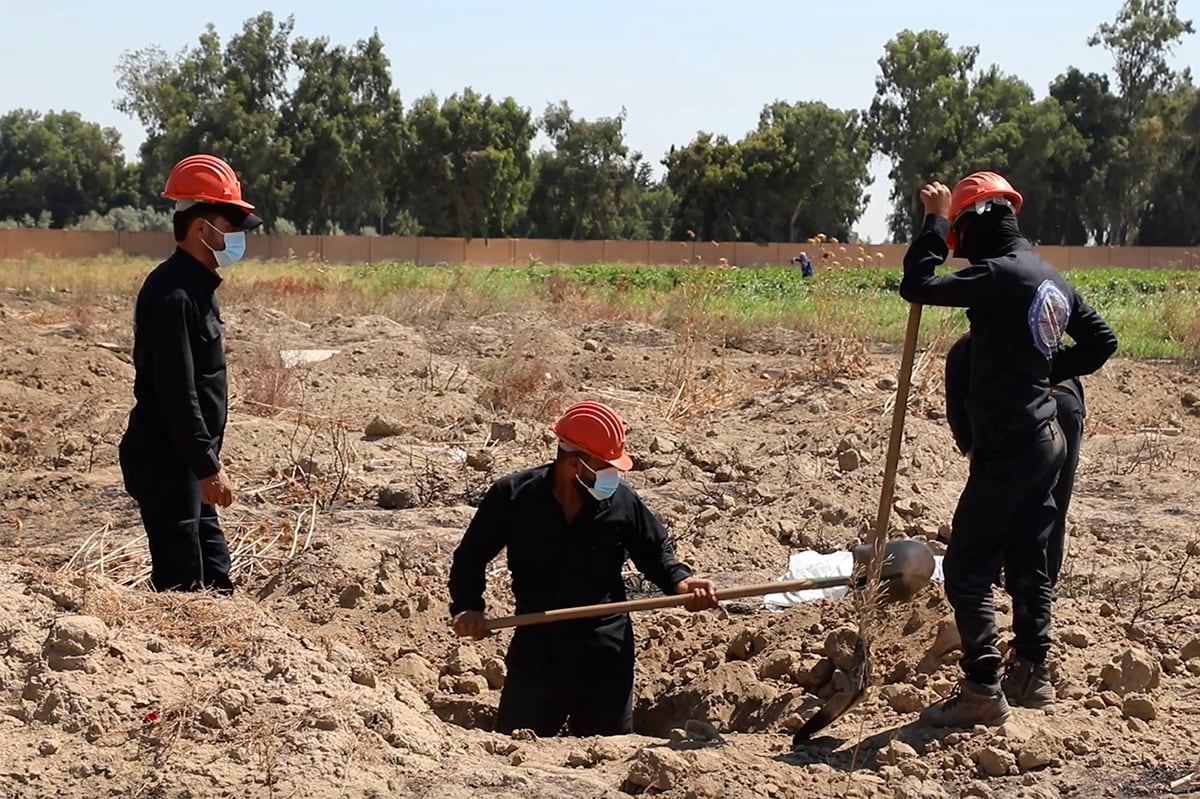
(556, 564)
(180, 388)
(958, 372)
(1019, 307)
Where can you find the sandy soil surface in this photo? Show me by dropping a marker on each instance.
(333, 672)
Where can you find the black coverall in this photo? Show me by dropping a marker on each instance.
(1019, 307)
(175, 429)
(581, 671)
(1069, 412)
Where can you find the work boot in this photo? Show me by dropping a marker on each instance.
(1027, 683)
(970, 703)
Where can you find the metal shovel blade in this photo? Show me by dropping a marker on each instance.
(907, 567)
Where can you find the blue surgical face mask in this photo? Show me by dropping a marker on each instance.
(235, 246)
(606, 483)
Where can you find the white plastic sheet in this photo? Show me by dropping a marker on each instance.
(293, 358)
(810, 564)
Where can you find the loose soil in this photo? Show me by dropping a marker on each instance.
(333, 673)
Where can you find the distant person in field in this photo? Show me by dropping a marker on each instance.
(171, 451)
(805, 264)
(1069, 411)
(1020, 307)
(567, 527)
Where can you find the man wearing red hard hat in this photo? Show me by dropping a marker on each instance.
(171, 450)
(567, 527)
(1019, 307)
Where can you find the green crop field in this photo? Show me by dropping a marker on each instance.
(1155, 313)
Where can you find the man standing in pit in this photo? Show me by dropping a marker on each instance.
(1019, 307)
(171, 451)
(567, 527)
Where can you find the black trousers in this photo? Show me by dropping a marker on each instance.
(581, 678)
(1005, 517)
(1070, 419)
(188, 550)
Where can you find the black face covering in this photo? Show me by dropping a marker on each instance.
(990, 235)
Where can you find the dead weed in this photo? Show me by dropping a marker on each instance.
(523, 383)
(201, 620)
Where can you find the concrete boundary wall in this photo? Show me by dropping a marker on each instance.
(427, 251)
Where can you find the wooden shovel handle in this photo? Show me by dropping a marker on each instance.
(654, 603)
(903, 384)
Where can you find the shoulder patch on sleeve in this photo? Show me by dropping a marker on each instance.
(1048, 315)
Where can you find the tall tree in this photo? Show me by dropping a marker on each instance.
(656, 208)
(990, 123)
(222, 101)
(1141, 37)
(1031, 143)
(587, 186)
(59, 163)
(938, 119)
(916, 118)
(1049, 169)
(806, 169)
(1169, 217)
(803, 171)
(705, 176)
(345, 125)
(1094, 114)
(468, 163)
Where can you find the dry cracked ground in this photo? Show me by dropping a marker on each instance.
(333, 672)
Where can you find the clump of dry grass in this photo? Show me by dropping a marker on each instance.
(255, 550)
(205, 620)
(269, 386)
(928, 381)
(839, 358)
(698, 389)
(1191, 340)
(528, 385)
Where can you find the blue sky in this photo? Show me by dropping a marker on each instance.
(677, 67)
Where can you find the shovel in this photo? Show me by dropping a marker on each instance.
(906, 568)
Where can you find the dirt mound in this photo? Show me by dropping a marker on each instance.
(201, 694)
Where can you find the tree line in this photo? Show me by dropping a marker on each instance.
(324, 145)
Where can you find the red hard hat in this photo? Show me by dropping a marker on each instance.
(207, 179)
(597, 430)
(976, 188)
